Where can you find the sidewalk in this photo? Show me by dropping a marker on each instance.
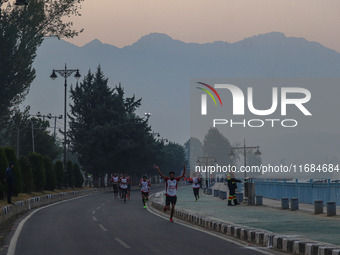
(269, 217)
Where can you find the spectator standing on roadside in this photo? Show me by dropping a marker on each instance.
(9, 179)
(232, 188)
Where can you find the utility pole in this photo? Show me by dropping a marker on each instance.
(33, 137)
(18, 141)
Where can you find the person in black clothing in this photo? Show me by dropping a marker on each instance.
(9, 179)
(232, 185)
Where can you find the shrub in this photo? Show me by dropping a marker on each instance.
(59, 171)
(78, 176)
(11, 157)
(38, 169)
(27, 175)
(51, 179)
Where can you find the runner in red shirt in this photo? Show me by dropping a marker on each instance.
(170, 189)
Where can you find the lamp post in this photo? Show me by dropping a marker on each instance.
(248, 189)
(207, 161)
(244, 150)
(65, 73)
(147, 115)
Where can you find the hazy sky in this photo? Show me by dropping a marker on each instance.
(122, 22)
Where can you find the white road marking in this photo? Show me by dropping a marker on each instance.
(103, 204)
(93, 212)
(122, 243)
(94, 218)
(102, 227)
(98, 207)
(177, 221)
(14, 240)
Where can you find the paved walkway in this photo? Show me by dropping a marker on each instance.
(269, 217)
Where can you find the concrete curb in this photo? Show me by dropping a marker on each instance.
(7, 212)
(262, 238)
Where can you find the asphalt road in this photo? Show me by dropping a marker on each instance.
(99, 224)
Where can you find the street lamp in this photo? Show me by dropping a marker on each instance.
(147, 115)
(244, 150)
(248, 186)
(65, 73)
(207, 161)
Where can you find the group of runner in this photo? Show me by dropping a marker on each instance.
(122, 187)
(121, 184)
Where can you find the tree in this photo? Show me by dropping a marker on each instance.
(51, 179)
(21, 32)
(21, 124)
(38, 169)
(105, 132)
(193, 149)
(173, 158)
(3, 166)
(78, 176)
(11, 157)
(253, 160)
(27, 175)
(218, 146)
(70, 174)
(59, 170)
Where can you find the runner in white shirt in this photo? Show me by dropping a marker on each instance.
(114, 181)
(124, 181)
(170, 189)
(145, 189)
(196, 187)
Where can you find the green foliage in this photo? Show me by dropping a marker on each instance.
(78, 176)
(193, 149)
(44, 142)
(173, 158)
(51, 178)
(59, 170)
(22, 31)
(27, 175)
(3, 167)
(104, 129)
(70, 174)
(38, 169)
(11, 157)
(218, 146)
(253, 160)
(108, 136)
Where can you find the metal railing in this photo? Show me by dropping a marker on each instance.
(305, 191)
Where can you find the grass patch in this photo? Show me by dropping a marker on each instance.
(26, 196)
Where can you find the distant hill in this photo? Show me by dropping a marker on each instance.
(159, 69)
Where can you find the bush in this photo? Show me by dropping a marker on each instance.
(70, 174)
(78, 176)
(3, 167)
(51, 179)
(38, 169)
(59, 171)
(27, 175)
(11, 157)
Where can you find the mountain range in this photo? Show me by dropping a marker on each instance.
(159, 70)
